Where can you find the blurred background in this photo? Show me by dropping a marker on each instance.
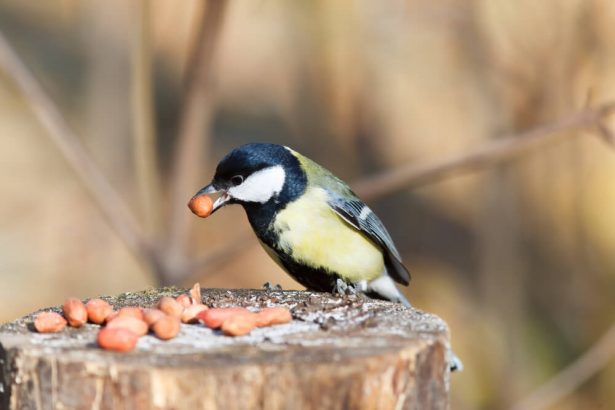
(518, 258)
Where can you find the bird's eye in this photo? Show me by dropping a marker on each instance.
(236, 180)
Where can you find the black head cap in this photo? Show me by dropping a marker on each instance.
(247, 159)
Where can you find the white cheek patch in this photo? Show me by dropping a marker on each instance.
(261, 186)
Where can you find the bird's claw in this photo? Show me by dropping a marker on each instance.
(269, 286)
(343, 288)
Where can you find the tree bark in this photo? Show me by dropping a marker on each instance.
(338, 352)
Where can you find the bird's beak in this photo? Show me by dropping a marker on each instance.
(222, 199)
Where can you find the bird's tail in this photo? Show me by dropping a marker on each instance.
(403, 300)
(383, 287)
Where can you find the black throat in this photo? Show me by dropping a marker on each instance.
(262, 215)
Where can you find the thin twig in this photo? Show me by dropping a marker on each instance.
(193, 130)
(144, 130)
(569, 379)
(105, 196)
(494, 152)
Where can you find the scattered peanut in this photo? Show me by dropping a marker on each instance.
(117, 339)
(201, 205)
(75, 312)
(191, 312)
(49, 322)
(111, 316)
(132, 311)
(136, 326)
(239, 324)
(184, 300)
(214, 318)
(98, 310)
(166, 328)
(151, 316)
(273, 316)
(170, 306)
(195, 294)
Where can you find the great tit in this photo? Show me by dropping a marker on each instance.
(310, 222)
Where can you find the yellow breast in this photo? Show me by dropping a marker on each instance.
(318, 237)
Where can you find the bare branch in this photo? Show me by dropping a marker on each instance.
(193, 131)
(105, 196)
(497, 151)
(572, 376)
(144, 130)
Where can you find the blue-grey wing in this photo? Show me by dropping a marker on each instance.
(356, 213)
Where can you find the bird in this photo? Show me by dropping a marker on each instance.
(310, 222)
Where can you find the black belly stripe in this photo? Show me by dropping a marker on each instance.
(318, 279)
(261, 217)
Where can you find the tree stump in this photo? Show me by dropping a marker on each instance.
(338, 352)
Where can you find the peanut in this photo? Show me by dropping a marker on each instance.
(201, 205)
(170, 306)
(195, 294)
(136, 326)
(98, 310)
(151, 316)
(117, 339)
(239, 324)
(111, 316)
(166, 328)
(132, 311)
(214, 318)
(273, 316)
(49, 322)
(184, 300)
(191, 312)
(75, 312)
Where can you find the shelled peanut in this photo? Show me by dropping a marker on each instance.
(117, 339)
(75, 312)
(98, 310)
(131, 311)
(273, 316)
(166, 328)
(136, 326)
(170, 306)
(190, 314)
(184, 300)
(239, 321)
(214, 318)
(49, 322)
(201, 205)
(151, 316)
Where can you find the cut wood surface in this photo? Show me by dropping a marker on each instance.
(338, 352)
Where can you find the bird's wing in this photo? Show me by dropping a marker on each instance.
(358, 215)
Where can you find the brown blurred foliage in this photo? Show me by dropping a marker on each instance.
(519, 258)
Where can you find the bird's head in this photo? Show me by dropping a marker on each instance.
(256, 173)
